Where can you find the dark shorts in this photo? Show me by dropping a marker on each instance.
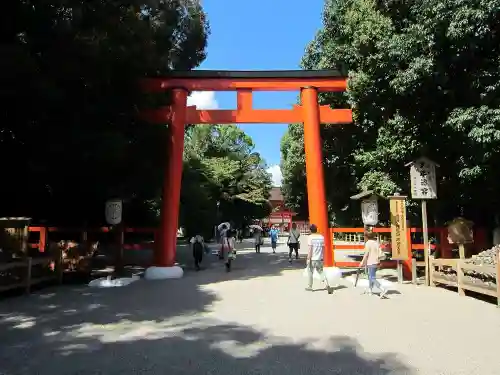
(293, 246)
(273, 243)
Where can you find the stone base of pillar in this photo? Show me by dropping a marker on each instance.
(163, 273)
(333, 275)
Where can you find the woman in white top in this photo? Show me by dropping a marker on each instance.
(371, 260)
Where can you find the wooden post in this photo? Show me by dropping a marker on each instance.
(498, 279)
(43, 240)
(460, 275)
(85, 240)
(400, 234)
(425, 232)
(461, 251)
(119, 233)
(413, 271)
(28, 275)
(24, 240)
(59, 264)
(431, 271)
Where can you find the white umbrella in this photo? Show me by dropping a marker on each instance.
(253, 226)
(219, 227)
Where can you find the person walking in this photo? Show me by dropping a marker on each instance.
(315, 252)
(222, 236)
(293, 242)
(257, 236)
(273, 233)
(371, 260)
(228, 249)
(197, 244)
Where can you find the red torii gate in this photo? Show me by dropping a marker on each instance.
(178, 114)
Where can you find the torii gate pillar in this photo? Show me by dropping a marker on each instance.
(313, 149)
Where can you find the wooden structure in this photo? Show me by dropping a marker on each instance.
(17, 268)
(23, 270)
(280, 215)
(178, 115)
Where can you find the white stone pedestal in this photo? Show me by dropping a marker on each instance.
(332, 275)
(162, 273)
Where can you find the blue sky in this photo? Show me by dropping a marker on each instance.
(259, 35)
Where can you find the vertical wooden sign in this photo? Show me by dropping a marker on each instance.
(399, 240)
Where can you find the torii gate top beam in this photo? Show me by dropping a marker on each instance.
(244, 83)
(222, 80)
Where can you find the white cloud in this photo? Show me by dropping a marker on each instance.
(276, 175)
(203, 100)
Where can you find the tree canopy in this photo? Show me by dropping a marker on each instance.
(71, 136)
(423, 81)
(221, 166)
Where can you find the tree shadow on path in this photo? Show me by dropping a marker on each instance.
(184, 349)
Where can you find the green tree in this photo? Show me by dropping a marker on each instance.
(71, 132)
(423, 80)
(221, 166)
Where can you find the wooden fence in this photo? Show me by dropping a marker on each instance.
(456, 273)
(21, 273)
(348, 246)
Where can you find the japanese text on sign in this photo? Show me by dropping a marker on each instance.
(398, 229)
(423, 179)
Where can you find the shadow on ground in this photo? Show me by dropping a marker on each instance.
(188, 347)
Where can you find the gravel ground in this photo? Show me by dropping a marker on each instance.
(258, 319)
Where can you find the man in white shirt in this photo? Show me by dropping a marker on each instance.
(315, 252)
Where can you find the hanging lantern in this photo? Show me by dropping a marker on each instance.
(113, 211)
(369, 210)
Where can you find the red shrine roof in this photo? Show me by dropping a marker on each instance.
(275, 194)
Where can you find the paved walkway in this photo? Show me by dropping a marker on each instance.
(257, 319)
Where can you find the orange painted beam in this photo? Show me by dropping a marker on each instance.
(327, 84)
(244, 100)
(255, 116)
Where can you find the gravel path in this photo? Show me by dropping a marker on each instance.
(257, 319)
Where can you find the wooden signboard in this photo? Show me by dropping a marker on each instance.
(399, 239)
(423, 179)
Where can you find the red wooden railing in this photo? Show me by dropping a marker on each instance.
(44, 233)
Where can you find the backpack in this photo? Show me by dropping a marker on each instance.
(197, 247)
